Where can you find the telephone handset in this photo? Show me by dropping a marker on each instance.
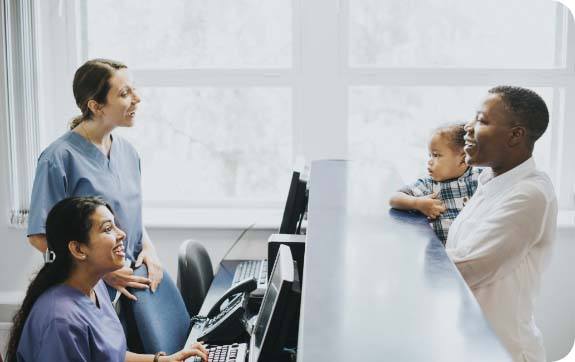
(227, 325)
(245, 286)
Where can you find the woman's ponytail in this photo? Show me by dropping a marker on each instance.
(76, 121)
(50, 275)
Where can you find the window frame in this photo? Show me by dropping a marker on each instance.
(320, 79)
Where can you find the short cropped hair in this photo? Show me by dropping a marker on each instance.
(453, 134)
(528, 108)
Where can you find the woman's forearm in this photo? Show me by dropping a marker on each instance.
(135, 357)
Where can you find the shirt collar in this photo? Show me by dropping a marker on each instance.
(87, 146)
(467, 173)
(491, 185)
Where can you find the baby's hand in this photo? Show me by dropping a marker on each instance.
(430, 206)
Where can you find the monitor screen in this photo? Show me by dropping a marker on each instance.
(295, 207)
(279, 306)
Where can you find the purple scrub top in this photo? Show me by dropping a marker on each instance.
(65, 325)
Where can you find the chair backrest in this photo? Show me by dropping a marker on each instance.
(160, 318)
(195, 274)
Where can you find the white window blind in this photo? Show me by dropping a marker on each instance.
(22, 105)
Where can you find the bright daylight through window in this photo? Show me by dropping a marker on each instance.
(229, 87)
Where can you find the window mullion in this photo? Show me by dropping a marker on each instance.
(320, 94)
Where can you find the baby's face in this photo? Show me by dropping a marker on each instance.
(444, 163)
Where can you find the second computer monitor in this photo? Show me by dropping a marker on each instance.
(295, 242)
(295, 207)
(279, 307)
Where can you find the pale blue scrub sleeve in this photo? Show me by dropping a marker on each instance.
(50, 186)
(63, 342)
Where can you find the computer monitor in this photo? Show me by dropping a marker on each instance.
(295, 207)
(295, 242)
(280, 307)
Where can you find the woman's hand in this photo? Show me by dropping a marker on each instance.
(123, 278)
(149, 257)
(197, 350)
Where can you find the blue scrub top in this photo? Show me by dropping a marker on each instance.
(65, 325)
(73, 166)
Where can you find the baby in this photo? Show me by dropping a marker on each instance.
(450, 184)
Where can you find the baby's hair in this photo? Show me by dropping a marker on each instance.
(454, 134)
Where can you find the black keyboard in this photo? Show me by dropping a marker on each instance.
(252, 269)
(228, 353)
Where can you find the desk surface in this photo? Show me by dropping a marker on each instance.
(378, 284)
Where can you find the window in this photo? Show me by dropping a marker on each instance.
(452, 34)
(416, 64)
(184, 34)
(234, 91)
(227, 141)
(210, 144)
(387, 123)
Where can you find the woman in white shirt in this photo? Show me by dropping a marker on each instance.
(502, 239)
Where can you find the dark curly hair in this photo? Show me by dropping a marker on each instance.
(454, 134)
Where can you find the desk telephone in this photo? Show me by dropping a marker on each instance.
(227, 324)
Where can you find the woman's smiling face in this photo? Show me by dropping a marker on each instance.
(105, 249)
(122, 100)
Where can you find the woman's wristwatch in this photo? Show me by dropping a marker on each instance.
(158, 355)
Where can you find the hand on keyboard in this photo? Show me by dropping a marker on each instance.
(198, 353)
(235, 352)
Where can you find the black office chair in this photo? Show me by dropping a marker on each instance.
(195, 274)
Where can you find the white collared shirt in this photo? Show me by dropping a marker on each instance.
(500, 243)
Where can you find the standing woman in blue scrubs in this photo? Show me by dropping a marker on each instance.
(90, 160)
(66, 314)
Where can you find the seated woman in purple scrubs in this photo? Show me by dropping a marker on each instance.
(67, 314)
